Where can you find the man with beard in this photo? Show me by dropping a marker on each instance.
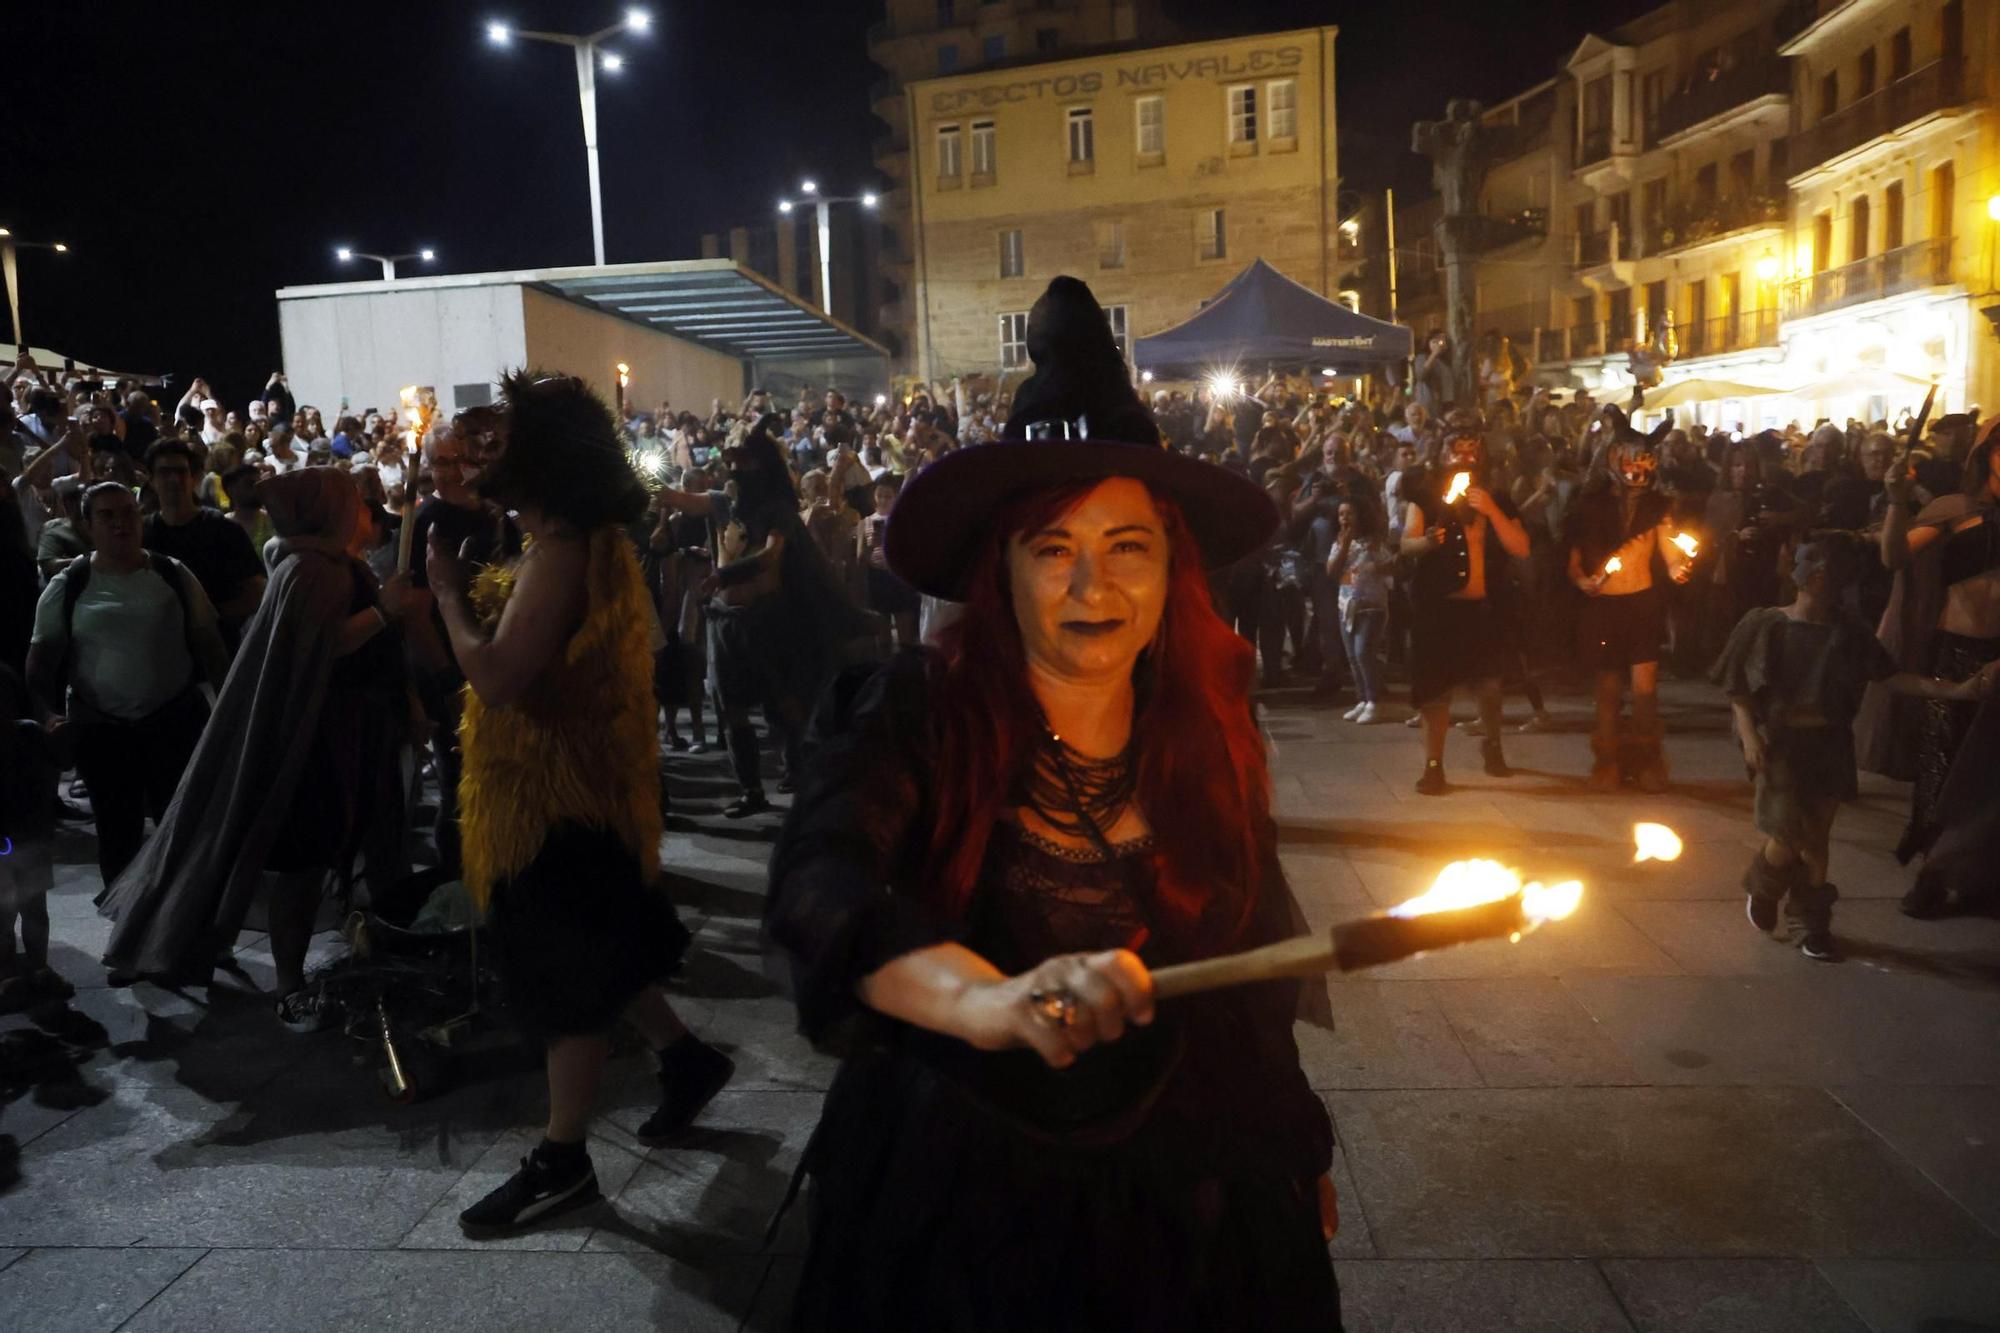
(778, 617)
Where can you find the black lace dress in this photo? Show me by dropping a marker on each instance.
(1165, 1181)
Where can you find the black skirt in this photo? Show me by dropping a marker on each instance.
(1455, 642)
(580, 934)
(930, 1211)
(1615, 632)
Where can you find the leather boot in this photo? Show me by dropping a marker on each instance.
(1650, 770)
(1604, 771)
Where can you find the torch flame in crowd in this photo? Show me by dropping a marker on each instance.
(1461, 482)
(1655, 842)
(1687, 544)
(413, 408)
(1478, 882)
(1613, 565)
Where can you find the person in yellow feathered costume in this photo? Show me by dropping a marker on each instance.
(560, 798)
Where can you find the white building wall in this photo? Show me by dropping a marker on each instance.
(361, 348)
(576, 340)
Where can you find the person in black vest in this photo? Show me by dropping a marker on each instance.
(123, 639)
(1462, 626)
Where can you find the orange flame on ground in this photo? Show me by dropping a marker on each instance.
(1655, 842)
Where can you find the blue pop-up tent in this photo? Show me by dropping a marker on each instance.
(1264, 319)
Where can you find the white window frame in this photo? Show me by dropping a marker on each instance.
(1240, 114)
(1075, 119)
(950, 153)
(1119, 317)
(1140, 106)
(1013, 339)
(1013, 254)
(1211, 234)
(985, 148)
(1111, 243)
(1282, 122)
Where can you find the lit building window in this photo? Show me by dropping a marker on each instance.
(983, 147)
(1152, 119)
(949, 153)
(1243, 114)
(1282, 101)
(1212, 236)
(1013, 261)
(1014, 340)
(1082, 135)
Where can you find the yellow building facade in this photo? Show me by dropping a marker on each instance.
(1155, 175)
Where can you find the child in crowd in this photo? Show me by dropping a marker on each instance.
(887, 596)
(29, 770)
(1363, 566)
(1794, 676)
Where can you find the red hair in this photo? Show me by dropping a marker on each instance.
(1203, 780)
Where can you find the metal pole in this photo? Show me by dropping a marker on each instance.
(388, 270)
(825, 257)
(7, 261)
(1389, 222)
(586, 89)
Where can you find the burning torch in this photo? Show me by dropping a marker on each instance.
(418, 411)
(1469, 900)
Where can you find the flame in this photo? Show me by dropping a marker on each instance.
(1478, 882)
(1461, 482)
(1655, 842)
(1687, 544)
(1462, 884)
(1554, 903)
(1613, 565)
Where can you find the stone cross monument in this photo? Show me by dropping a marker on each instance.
(1460, 148)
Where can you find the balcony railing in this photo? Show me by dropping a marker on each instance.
(1572, 344)
(1908, 269)
(1936, 87)
(1602, 247)
(1726, 333)
(1692, 223)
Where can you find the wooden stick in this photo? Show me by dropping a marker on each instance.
(1348, 947)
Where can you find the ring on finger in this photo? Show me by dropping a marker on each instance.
(1053, 1007)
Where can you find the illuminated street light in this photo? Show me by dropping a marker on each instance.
(1767, 269)
(821, 206)
(589, 55)
(388, 262)
(10, 249)
(1993, 208)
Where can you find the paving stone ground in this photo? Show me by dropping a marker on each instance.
(1646, 1118)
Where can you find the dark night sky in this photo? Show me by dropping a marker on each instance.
(195, 165)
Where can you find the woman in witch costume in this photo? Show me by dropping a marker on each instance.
(559, 805)
(297, 771)
(995, 842)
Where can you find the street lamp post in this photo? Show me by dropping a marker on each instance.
(822, 207)
(388, 262)
(588, 58)
(9, 246)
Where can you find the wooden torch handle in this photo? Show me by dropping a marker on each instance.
(1301, 956)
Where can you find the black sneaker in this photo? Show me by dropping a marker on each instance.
(1818, 946)
(1762, 912)
(691, 1073)
(1496, 760)
(539, 1190)
(1432, 783)
(746, 805)
(305, 1011)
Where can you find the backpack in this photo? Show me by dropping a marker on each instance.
(77, 577)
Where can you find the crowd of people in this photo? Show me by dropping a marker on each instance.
(254, 632)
